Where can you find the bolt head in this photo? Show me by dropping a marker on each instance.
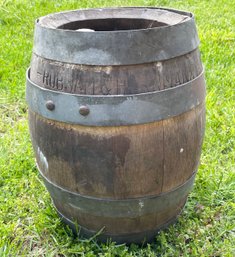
(84, 110)
(50, 105)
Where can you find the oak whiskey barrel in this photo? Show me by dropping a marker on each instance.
(117, 117)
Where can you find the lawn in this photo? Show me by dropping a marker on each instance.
(29, 225)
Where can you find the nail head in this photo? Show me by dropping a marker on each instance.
(50, 105)
(84, 110)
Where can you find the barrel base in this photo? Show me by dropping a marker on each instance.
(140, 238)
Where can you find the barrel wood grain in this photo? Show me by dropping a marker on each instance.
(119, 162)
(115, 80)
(182, 140)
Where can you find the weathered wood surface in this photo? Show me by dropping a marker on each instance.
(115, 80)
(119, 162)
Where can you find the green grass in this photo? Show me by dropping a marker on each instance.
(29, 226)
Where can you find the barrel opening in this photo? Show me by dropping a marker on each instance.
(112, 24)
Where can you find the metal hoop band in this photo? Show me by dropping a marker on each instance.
(131, 208)
(115, 110)
(120, 47)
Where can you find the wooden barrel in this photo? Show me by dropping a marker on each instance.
(117, 117)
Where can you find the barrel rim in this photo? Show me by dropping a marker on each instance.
(190, 15)
(120, 47)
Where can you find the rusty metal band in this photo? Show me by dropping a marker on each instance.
(128, 238)
(107, 207)
(115, 110)
(120, 47)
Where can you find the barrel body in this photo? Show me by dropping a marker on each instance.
(117, 117)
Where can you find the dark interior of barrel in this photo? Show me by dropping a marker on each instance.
(112, 24)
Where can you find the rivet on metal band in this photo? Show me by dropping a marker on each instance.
(50, 105)
(111, 110)
(84, 110)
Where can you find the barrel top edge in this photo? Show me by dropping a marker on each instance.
(154, 35)
(54, 18)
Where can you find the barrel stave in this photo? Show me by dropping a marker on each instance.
(115, 80)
